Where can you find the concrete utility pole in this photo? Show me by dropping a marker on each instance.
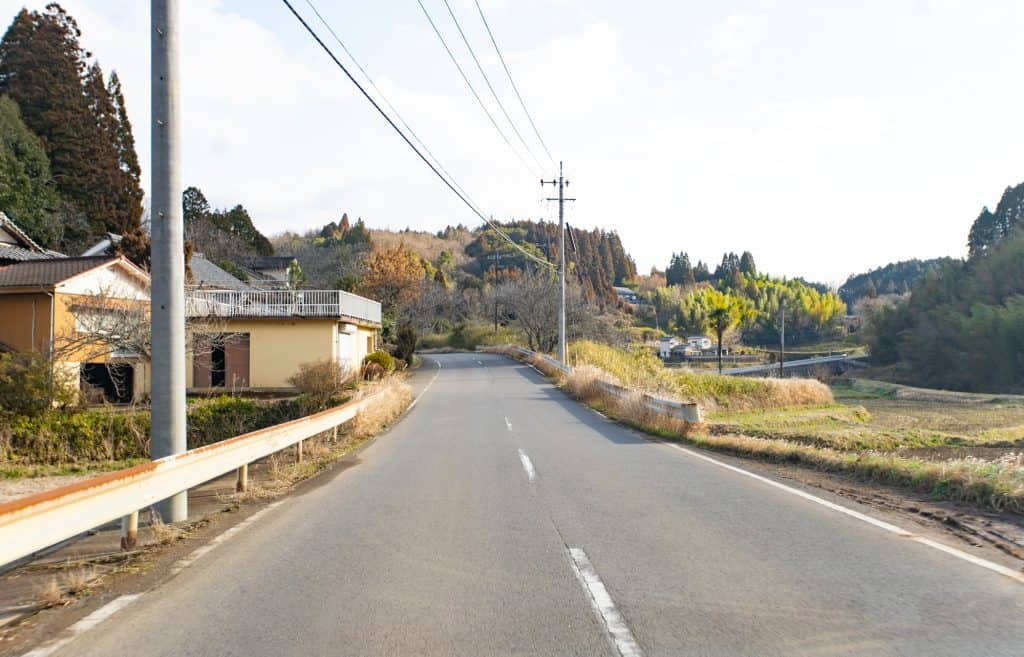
(167, 304)
(782, 336)
(561, 183)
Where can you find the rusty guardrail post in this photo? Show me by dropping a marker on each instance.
(129, 530)
(242, 480)
(298, 451)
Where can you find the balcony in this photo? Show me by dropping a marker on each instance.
(270, 304)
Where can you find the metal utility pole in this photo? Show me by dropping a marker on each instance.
(782, 336)
(167, 304)
(561, 183)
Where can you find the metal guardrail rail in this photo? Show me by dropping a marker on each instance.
(789, 364)
(33, 523)
(687, 411)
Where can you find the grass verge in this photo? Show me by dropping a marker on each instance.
(995, 484)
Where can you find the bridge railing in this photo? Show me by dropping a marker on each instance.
(33, 523)
(687, 411)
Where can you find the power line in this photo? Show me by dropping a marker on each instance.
(487, 81)
(386, 101)
(472, 89)
(406, 139)
(513, 82)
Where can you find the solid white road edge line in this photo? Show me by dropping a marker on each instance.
(119, 603)
(603, 604)
(87, 623)
(199, 552)
(531, 474)
(426, 388)
(881, 524)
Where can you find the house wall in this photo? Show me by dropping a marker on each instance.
(25, 321)
(278, 347)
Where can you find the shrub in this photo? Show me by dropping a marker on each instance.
(382, 358)
(321, 382)
(29, 385)
(215, 419)
(405, 343)
(63, 436)
(373, 372)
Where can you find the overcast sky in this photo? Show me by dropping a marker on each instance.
(825, 137)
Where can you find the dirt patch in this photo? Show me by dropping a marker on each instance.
(11, 489)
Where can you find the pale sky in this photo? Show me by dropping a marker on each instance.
(825, 137)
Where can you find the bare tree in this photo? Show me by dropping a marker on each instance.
(531, 301)
(111, 328)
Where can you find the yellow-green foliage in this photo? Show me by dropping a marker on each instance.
(641, 369)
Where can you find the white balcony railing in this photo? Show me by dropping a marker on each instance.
(281, 303)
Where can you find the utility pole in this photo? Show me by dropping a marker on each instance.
(497, 263)
(167, 305)
(782, 337)
(561, 183)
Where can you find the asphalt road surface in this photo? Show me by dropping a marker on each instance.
(501, 518)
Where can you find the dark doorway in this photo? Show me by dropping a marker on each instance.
(218, 366)
(113, 383)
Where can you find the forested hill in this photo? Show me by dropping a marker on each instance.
(962, 326)
(466, 257)
(596, 257)
(894, 278)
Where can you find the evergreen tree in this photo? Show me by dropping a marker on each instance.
(130, 179)
(870, 291)
(27, 192)
(65, 101)
(747, 266)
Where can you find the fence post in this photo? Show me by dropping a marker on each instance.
(129, 530)
(242, 480)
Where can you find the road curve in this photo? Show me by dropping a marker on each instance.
(501, 518)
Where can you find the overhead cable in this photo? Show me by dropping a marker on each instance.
(448, 183)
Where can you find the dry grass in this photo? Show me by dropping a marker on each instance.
(319, 452)
(160, 532)
(51, 595)
(997, 484)
(395, 396)
(641, 370)
(79, 580)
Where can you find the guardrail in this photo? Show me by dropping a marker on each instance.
(789, 364)
(688, 411)
(33, 523)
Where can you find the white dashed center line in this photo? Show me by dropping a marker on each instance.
(531, 474)
(603, 604)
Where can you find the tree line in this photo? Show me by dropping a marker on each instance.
(894, 278)
(962, 326)
(67, 152)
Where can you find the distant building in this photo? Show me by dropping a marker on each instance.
(627, 295)
(16, 246)
(268, 272)
(665, 346)
(701, 342)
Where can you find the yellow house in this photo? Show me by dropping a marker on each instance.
(75, 310)
(257, 339)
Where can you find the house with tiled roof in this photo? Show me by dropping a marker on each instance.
(16, 246)
(72, 311)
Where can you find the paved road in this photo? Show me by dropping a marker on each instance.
(440, 544)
